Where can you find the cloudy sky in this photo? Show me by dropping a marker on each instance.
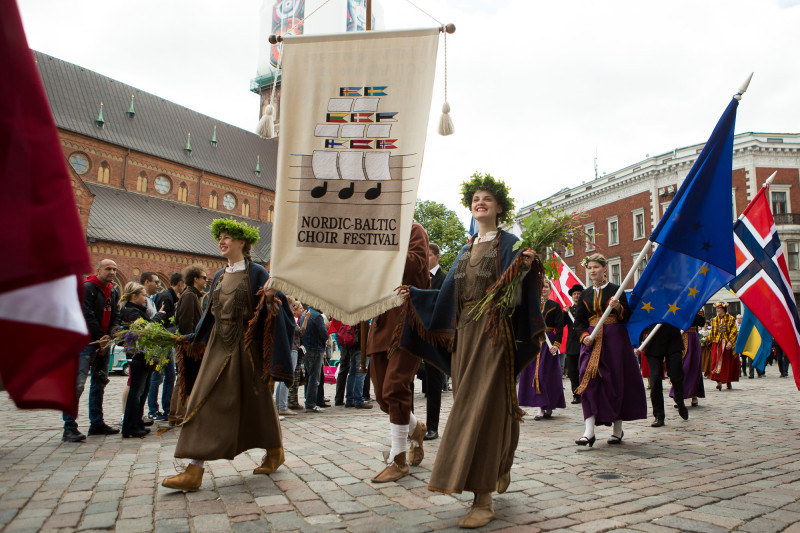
(536, 88)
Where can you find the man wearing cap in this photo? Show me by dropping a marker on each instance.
(724, 364)
(573, 343)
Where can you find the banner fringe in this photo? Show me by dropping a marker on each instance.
(346, 317)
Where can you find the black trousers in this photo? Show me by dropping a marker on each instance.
(572, 371)
(137, 396)
(674, 371)
(433, 379)
(341, 376)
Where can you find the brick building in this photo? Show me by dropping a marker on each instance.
(149, 175)
(622, 208)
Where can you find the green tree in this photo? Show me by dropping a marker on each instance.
(444, 228)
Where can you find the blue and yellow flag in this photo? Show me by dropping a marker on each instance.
(695, 255)
(754, 340)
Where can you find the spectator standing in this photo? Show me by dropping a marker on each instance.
(349, 339)
(134, 307)
(102, 318)
(281, 390)
(187, 315)
(301, 319)
(167, 299)
(433, 376)
(314, 340)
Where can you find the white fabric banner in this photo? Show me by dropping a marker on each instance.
(354, 117)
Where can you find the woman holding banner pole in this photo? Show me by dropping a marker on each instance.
(611, 387)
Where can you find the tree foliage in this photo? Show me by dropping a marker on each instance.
(444, 228)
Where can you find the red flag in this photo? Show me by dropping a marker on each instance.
(762, 279)
(41, 323)
(559, 288)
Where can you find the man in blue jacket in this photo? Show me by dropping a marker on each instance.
(314, 342)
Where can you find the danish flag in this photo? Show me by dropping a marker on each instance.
(762, 279)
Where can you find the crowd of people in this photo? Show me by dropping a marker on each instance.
(229, 394)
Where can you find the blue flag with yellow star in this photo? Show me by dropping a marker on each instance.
(695, 256)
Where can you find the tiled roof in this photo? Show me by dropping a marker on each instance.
(158, 128)
(131, 218)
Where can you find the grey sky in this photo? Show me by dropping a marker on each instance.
(535, 87)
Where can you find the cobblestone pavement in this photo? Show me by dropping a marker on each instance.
(732, 466)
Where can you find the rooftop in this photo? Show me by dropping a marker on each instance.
(158, 127)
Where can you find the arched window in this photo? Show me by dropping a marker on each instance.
(103, 173)
(245, 208)
(183, 193)
(271, 212)
(141, 183)
(212, 200)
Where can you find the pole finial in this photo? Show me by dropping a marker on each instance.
(769, 179)
(743, 88)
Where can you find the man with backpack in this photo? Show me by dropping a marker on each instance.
(349, 381)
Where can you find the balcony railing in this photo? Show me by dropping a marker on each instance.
(787, 218)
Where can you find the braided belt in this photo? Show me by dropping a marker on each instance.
(593, 367)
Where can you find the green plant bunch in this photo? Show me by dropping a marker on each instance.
(152, 340)
(548, 228)
(239, 231)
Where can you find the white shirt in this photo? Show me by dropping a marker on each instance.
(236, 267)
(485, 238)
(434, 270)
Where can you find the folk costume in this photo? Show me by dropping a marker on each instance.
(478, 444)
(611, 387)
(724, 363)
(540, 383)
(692, 359)
(393, 376)
(244, 341)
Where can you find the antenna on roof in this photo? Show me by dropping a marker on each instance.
(596, 175)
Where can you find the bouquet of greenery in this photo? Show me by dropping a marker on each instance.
(545, 229)
(151, 339)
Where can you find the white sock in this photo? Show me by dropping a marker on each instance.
(412, 427)
(589, 431)
(197, 462)
(399, 436)
(617, 428)
(539, 411)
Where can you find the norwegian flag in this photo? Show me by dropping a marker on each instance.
(560, 287)
(762, 279)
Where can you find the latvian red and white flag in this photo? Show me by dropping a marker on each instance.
(41, 324)
(566, 279)
(762, 279)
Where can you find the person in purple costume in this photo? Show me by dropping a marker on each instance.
(540, 383)
(692, 361)
(611, 386)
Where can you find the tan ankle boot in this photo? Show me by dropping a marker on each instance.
(271, 462)
(415, 451)
(480, 514)
(394, 471)
(188, 480)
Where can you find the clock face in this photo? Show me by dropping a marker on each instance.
(229, 201)
(79, 163)
(163, 185)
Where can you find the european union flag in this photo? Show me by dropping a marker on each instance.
(754, 340)
(696, 255)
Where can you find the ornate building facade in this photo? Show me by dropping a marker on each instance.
(622, 208)
(150, 175)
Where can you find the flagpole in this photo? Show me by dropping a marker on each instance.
(622, 286)
(649, 337)
(363, 326)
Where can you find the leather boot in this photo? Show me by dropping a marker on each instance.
(394, 471)
(272, 460)
(188, 480)
(480, 514)
(503, 482)
(415, 451)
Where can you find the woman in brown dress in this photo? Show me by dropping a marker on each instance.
(482, 432)
(230, 409)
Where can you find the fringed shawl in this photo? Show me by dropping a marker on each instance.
(427, 326)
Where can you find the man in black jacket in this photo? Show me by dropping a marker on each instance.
(101, 313)
(665, 346)
(433, 377)
(573, 348)
(168, 301)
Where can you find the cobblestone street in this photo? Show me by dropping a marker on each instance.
(732, 466)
